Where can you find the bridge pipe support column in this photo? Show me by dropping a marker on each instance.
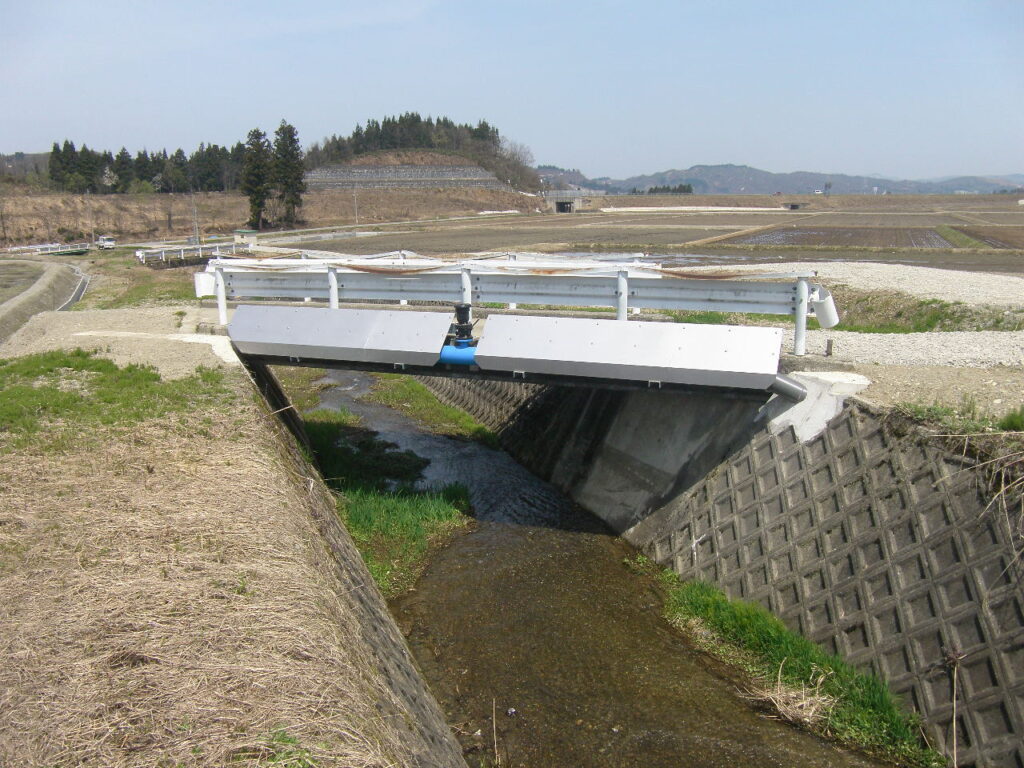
(222, 297)
(332, 285)
(467, 288)
(622, 296)
(800, 332)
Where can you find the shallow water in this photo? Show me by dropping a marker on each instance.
(532, 616)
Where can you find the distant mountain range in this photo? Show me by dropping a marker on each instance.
(742, 179)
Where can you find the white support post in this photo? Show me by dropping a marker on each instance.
(800, 332)
(222, 297)
(467, 287)
(332, 282)
(622, 296)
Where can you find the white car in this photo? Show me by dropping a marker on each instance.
(105, 243)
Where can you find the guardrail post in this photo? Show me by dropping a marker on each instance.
(332, 282)
(800, 332)
(622, 295)
(222, 297)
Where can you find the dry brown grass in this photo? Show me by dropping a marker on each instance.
(805, 705)
(50, 217)
(166, 599)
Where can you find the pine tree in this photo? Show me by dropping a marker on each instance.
(56, 171)
(256, 175)
(124, 169)
(288, 170)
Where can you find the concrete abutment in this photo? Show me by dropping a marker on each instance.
(877, 545)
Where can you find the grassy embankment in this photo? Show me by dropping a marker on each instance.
(118, 280)
(801, 682)
(163, 584)
(805, 684)
(959, 239)
(394, 526)
(63, 395)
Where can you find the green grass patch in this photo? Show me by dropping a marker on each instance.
(351, 456)
(965, 418)
(710, 317)
(62, 395)
(303, 385)
(865, 713)
(1012, 421)
(394, 526)
(407, 395)
(395, 530)
(959, 239)
(153, 291)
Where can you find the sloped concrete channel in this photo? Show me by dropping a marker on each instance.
(535, 637)
(877, 545)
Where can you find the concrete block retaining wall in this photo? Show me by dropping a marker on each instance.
(411, 707)
(404, 176)
(878, 546)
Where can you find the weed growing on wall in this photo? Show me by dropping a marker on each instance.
(854, 708)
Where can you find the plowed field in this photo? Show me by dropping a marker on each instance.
(997, 237)
(855, 237)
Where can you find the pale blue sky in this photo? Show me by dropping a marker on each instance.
(902, 88)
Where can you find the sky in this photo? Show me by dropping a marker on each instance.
(898, 88)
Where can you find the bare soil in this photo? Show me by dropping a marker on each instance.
(854, 237)
(53, 217)
(863, 203)
(16, 277)
(997, 237)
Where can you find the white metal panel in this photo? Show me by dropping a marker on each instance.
(354, 335)
(678, 353)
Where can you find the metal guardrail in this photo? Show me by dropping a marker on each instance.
(189, 251)
(547, 282)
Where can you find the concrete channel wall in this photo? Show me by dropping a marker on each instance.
(54, 287)
(877, 545)
(424, 730)
(404, 176)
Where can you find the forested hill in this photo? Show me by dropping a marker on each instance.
(742, 179)
(481, 143)
(214, 168)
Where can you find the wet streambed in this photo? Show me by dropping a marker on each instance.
(533, 616)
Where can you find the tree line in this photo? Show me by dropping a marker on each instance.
(266, 171)
(210, 168)
(678, 189)
(482, 143)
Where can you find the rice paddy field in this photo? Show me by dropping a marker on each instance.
(982, 233)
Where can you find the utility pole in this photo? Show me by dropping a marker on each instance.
(195, 218)
(3, 220)
(355, 202)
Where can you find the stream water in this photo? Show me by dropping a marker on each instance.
(535, 637)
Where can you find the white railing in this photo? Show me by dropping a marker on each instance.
(49, 248)
(190, 251)
(543, 281)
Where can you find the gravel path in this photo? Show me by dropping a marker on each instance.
(961, 349)
(159, 336)
(924, 282)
